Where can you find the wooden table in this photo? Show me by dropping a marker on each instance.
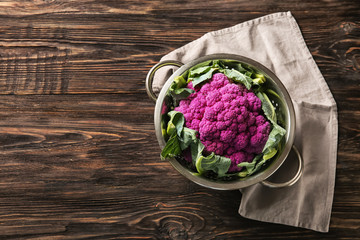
(79, 157)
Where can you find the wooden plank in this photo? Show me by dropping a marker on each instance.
(92, 162)
(99, 48)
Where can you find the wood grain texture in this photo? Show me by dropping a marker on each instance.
(79, 156)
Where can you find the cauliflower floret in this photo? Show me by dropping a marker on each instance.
(220, 126)
(227, 97)
(194, 124)
(196, 103)
(260, 120)
(230, 116)
(228, 119)
(242, 101)
(236, 158)
(221, 116)
(252, 130)
(212, 98)
(242, 127)
(207, 129)
(227, 136)
(233, 127)
(242, 140)
(258, 140)
(215, 146)
(219, 80)
(205, 88)
(251, 119)
(254, 102)
(218, 107)
(210, 114)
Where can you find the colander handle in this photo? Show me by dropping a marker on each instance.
(151, 73)
(294, 179)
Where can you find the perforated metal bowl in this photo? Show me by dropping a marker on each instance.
(286, 108)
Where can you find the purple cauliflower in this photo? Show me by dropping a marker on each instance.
(228, 119)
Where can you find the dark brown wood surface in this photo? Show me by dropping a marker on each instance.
(79, 157)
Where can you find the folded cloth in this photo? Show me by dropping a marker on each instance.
(276, 41)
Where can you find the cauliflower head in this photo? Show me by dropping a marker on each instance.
(228, 118)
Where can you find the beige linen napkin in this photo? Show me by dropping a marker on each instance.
(275, 41)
